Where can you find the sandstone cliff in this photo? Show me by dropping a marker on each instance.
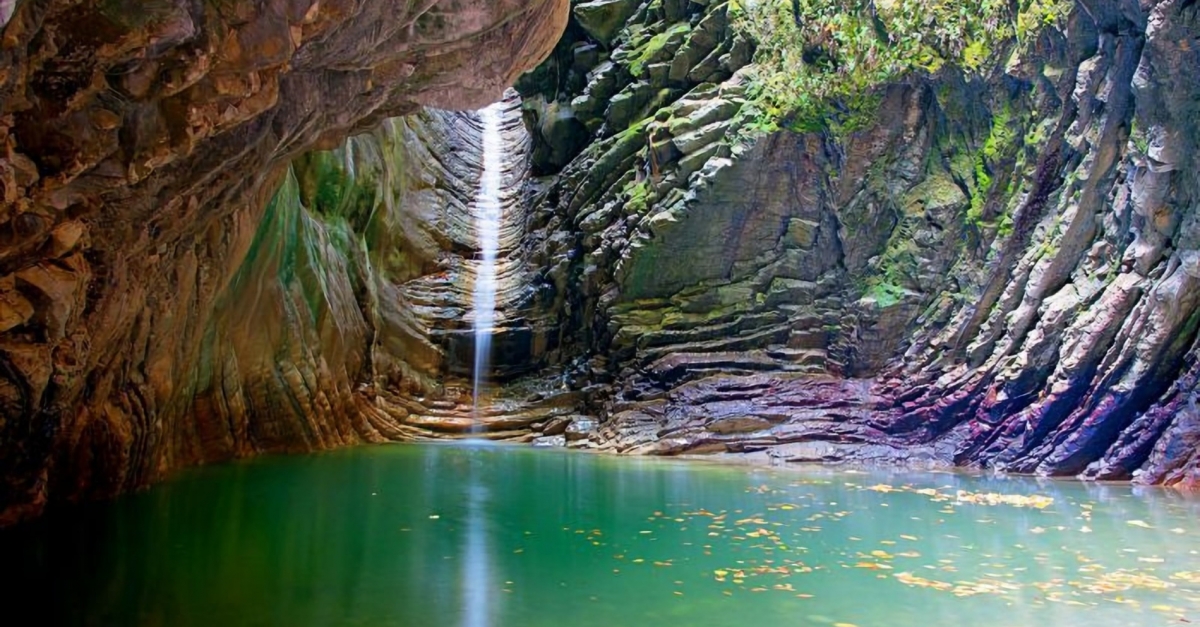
(155, 310)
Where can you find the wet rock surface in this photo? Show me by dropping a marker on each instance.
(141, 145)
(995, 269)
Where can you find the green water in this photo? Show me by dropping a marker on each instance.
(488, 535)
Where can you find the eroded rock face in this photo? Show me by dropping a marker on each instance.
(142, 142)
(997, 269)
(994, 269)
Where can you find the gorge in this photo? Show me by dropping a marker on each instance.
(855, 234)
(923, 276)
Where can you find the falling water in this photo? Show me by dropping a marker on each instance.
(488, 212)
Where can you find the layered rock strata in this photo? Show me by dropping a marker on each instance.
(154, 310)
(991, 268)
(426, 334)
(995, 268)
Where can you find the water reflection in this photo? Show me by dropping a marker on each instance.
(478, 584)
(495, 536)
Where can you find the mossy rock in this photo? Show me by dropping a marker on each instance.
(936, 195)
(603, 19)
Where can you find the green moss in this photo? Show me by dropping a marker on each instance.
(1001, 138)
(983, 182)
(999, 145)
(885, 294)
(1138, 136)
(333, 189)
(897, 266)
(295, 244)
(645, 53)
(134, 14)
(937, 191)
(1005, 227)
(638, 197)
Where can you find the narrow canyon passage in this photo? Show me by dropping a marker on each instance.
(913, 285)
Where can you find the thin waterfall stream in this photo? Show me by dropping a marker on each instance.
(488, 215)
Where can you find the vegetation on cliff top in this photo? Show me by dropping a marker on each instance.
(818, 60)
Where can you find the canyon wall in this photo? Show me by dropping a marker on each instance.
(157, 307)
(991, 267)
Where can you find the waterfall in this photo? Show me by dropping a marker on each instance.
(488, 213)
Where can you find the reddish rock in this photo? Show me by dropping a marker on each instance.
(140, 146)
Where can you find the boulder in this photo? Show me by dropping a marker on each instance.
(603, 19)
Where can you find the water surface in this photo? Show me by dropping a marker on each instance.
(486, 535)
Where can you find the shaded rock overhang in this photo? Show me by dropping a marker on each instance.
(141, 140)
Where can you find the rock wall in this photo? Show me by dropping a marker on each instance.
(992, 268)
(157, 308)
(424, 347)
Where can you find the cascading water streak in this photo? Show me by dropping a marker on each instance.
(488, 215)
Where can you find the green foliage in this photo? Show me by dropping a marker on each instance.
(1002, 136)
(999, 143)
(1138, 136)
(1005, 228)
(818, 70)
(1036, 15)
(885, 294)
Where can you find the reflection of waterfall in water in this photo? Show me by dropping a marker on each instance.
(476, 581)
(488, 213)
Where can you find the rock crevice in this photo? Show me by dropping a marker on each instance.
(999, 259)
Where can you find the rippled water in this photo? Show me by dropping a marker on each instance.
(480, 535)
